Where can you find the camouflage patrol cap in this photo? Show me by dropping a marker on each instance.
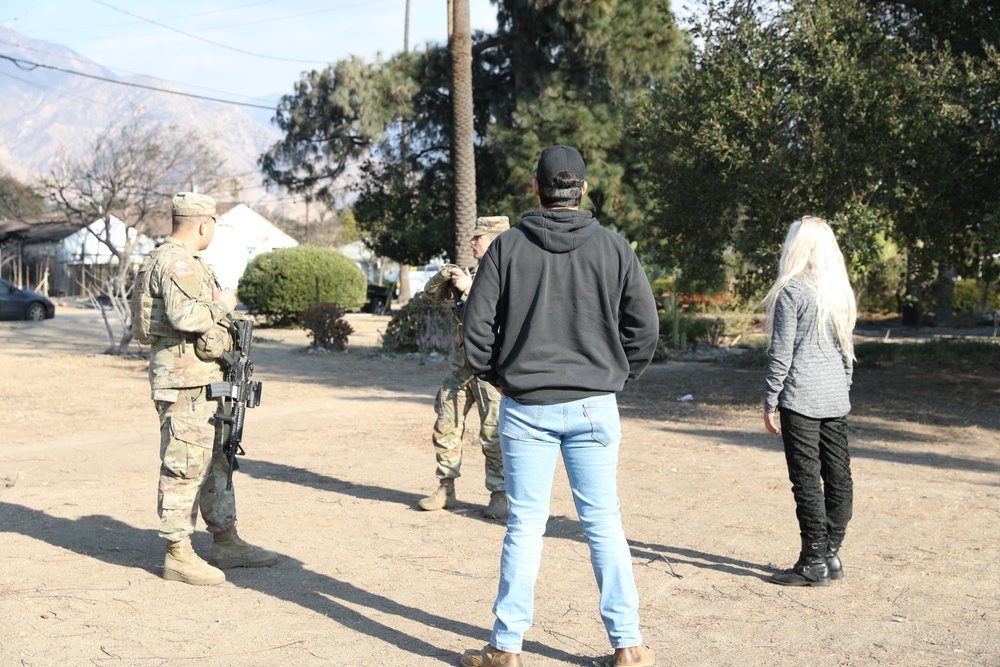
(493, 224)
(192, 203)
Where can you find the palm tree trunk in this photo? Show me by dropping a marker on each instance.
(465, 160)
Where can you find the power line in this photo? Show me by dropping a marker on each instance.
(24, 66)
(119, 70)
(208, 41)
(48, 88)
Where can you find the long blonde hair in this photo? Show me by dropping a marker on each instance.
(811, 251)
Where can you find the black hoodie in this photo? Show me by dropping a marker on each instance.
(560, 310)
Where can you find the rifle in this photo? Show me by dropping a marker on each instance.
(240, 389)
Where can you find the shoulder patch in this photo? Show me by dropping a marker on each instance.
(183, 271)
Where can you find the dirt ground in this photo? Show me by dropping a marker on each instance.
(339, 452)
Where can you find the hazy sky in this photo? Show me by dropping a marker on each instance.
(245, 50)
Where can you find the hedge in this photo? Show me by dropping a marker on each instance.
(281, 284)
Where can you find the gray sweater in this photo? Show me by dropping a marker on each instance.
(807, 373)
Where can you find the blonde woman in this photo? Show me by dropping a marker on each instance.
(810, 318)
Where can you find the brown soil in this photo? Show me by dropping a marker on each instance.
(339, 452)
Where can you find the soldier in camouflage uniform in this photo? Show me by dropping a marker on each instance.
(176, 306)
(460, 391)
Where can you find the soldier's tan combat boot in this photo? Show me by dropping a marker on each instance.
(442, 499)
(183, 564)
(229, 550)
(498, 508)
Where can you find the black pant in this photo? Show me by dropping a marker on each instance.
(819, 467)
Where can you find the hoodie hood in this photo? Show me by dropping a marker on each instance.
(559, 230)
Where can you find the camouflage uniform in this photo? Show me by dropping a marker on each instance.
(193, 471)
(459, 391)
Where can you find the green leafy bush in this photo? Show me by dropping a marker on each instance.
(327, 326)
(707, 331)
(936, 351)
(877, 354)
(754, 358)
(282, 283)
(422, 325)
(966, 297)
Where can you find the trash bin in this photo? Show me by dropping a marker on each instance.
(377, 302)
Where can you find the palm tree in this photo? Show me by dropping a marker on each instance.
(465, 160)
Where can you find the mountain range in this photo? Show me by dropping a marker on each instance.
(45, 112)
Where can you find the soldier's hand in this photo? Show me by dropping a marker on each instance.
(226, 296)
(461, 279)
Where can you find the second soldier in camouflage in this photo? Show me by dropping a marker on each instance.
(460, 390)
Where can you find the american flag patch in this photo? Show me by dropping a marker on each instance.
(184, 272)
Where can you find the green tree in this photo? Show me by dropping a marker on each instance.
(816, 108)
(17, 200)
(967, 27)
(405, 216)
(553, 73)
(565, 73)
(335, 117)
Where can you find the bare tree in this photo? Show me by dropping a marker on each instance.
(130, 170)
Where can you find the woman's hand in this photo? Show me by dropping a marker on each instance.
(771, 423)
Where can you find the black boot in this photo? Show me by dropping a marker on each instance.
(810, 570)
(833, 563)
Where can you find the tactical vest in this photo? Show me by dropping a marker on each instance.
(148, 313)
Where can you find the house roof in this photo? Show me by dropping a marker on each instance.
(40, 229)
(53, 226)
(159, 223)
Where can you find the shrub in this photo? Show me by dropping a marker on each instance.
(327, 326)
(708, 331)
(282, 283)
(937, 351)
(966, 297)
(422, 325)
(881, 289)
(754, 358)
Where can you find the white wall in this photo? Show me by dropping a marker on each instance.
(240, 235)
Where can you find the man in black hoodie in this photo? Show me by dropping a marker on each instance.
(560, 317)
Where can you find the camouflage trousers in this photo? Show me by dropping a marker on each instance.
(458, 393)
(193, 469)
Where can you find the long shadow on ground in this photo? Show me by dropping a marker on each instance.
(111, 541)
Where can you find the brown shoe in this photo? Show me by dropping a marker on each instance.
(498, 508)
(634, 656)
(183, 564)
(490, 657)
(443, 497)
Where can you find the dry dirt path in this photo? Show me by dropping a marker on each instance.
(339, 452)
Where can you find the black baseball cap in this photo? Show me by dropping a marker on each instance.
(557, 159)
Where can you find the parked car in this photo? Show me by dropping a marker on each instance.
(22, 304)
(421, 275)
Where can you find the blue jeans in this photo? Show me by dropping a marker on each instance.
(587, 432)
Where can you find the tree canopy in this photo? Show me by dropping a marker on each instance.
(819, 108)
(552, 73)
(17, 200)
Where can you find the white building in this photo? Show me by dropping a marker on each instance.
(76, 262)
(240, 235)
